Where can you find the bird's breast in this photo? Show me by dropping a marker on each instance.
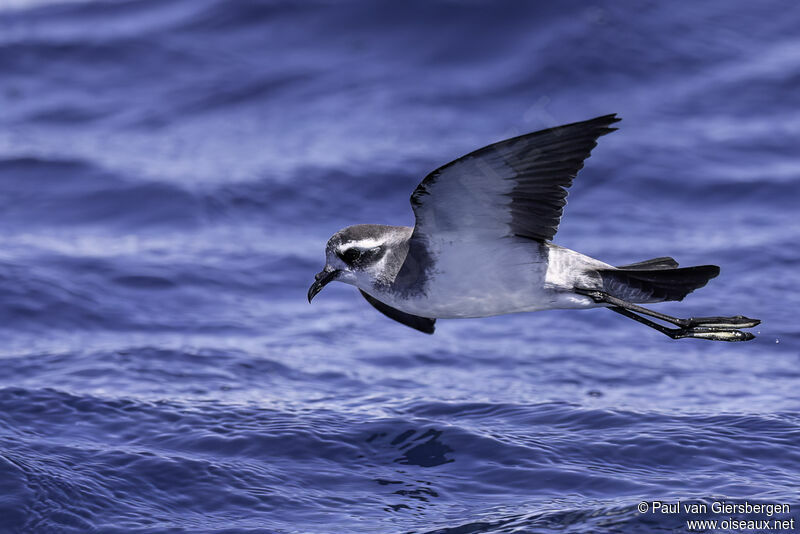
(476, 279)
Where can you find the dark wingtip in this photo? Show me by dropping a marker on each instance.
(607, 121)
(602, 120)
(611, 118)
(710, 271)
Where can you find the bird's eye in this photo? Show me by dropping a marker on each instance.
(351, 255)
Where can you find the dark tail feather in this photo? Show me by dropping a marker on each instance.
(655, 281)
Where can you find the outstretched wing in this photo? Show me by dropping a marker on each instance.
(513, 187)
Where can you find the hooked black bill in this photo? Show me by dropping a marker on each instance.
(321, 279)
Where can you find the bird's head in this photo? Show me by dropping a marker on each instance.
(362, 255)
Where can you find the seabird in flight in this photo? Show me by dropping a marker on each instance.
(481, 246)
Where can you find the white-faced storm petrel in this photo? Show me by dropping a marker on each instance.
(481, 246)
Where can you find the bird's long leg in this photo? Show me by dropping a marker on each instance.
(713, 328)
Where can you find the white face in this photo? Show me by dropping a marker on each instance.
(363, 255)
(359, 262)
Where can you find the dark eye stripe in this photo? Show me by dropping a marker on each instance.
(354, 255)
(350, 255)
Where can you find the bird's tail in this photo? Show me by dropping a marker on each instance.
(655, 280)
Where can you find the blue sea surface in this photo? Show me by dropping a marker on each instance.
(170, 171)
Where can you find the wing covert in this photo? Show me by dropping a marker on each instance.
(512, 187)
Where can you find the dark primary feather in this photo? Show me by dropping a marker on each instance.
(541, 166)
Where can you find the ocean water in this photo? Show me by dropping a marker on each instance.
(171, 169)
